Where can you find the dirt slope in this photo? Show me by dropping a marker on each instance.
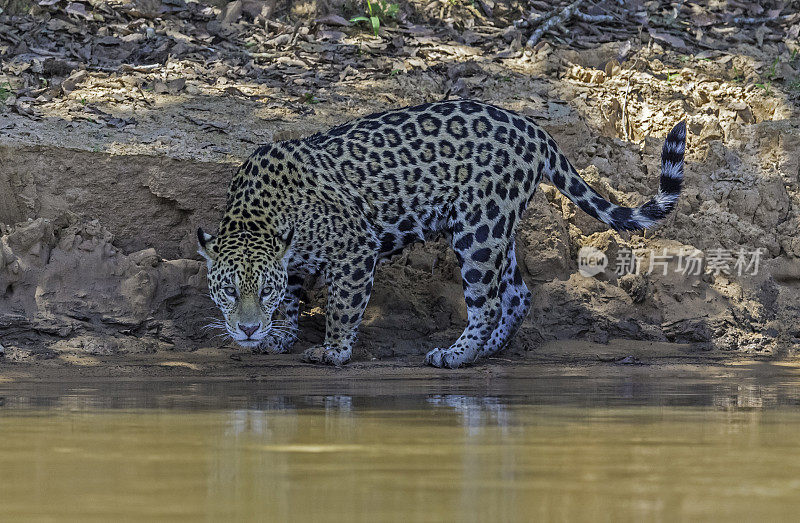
(98, 206)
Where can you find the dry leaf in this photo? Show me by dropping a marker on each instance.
(672, 40)
(333, 20)
(232, 12)
(77, 9)
(73, 80)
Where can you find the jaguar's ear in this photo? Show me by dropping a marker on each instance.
(285, 241)
(208, 246)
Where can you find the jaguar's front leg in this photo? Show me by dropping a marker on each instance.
(349, 288)
(284, 329)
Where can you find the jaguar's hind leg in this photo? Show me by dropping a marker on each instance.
(481, 254)
(515, 301)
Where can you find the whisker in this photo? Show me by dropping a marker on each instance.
(288, 334)
(283, 324)
(284, 331)
(283, 327)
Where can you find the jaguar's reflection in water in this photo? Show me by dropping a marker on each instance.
(476, 412)
(556, 448)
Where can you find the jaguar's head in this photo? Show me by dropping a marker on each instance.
(247, 280)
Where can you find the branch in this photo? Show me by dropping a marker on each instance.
(762, 20)
(555, 17)
(553, 20)
(583, 17)
(531, 22)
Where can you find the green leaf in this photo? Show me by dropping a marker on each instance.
(376, 24)
(359, 19)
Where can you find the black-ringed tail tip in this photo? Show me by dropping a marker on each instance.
(631, 218)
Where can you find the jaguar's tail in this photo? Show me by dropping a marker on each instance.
(620, 218)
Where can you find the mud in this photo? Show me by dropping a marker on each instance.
(97, 258)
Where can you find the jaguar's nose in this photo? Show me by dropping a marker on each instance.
(249, 329)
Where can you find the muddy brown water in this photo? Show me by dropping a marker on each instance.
(561, 448)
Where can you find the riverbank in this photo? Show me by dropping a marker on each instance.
(617, 359)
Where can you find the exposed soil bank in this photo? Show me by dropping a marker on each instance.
(618, 359)
(97, 256)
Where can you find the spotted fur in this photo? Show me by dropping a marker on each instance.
(338, 202)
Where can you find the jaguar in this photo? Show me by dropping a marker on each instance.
(334, 204)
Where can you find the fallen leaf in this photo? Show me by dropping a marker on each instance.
(279, 40)
(624, 49)
(77, 9)
(331, 36)
(761, 32)
(108, 40)
(333, 20)
(672, 40)
(261, 8)
(704, 19)
(73, 80)
(232, 12)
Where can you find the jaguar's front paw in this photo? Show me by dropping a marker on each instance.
(326, 355)
(274, 345)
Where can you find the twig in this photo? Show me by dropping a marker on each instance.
(44, 52)
(260, 55)
(561, 17)
(625, 126)
(140, 68)
(521, 24)
(602, 7)
(593, 18)
(761, 20)
(625, 130)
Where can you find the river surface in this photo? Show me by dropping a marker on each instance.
(561, 449)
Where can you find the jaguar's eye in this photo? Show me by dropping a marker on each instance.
(265, 293)
(230, 290)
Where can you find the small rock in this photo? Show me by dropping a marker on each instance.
(175, 86)
(635, 285)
